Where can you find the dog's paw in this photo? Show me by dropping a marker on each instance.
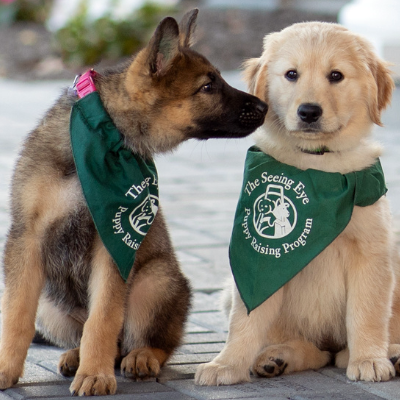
(269, 367)
(7, 380)
(394, 356)
(214, 373)
(371, 370)
(69, 363)
(93, 385)
(141, 363)
(272, 361)
(396, 364)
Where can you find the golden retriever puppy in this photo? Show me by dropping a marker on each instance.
(326, 89)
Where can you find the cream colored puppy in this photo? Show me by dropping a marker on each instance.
(326, 89)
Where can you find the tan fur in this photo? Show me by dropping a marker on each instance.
(58, 274)
(347, 299)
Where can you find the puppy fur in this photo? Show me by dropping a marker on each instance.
(346, 302)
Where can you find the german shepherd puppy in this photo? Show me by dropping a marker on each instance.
(57, 269)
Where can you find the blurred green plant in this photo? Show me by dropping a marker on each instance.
(24, 10)
(83, 41)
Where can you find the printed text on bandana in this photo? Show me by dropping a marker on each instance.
(273, 214)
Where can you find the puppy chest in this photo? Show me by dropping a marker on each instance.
(315, 302)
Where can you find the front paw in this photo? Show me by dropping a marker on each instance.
(143, 363)
(69, 362)
(7, 380)
(93, 385)
(371, 370)
(214, 373)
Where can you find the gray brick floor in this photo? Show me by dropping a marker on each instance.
(199, 187)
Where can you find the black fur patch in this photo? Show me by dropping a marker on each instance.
(66, 250)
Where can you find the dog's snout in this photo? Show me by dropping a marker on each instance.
(257, 106)
(253, 112)
(309, 112)
(262, 107)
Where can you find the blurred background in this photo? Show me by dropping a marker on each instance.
(54, 39)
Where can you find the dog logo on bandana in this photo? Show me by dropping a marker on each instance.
(275, 215)
(143, 215)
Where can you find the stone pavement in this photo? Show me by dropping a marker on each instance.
(199, 187)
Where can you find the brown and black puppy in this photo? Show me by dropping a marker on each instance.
(57, 270)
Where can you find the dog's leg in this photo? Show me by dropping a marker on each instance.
(157, 305)
(369, 302)
(59, 327)
(95, 375)
(342, 358)
(247, 335)
(296, 355)
(394, 347)
(156, 312)
(23, 284)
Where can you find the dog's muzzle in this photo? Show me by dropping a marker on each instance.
(253, 113)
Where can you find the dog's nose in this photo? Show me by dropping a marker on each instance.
(253, 112)
(309, 112)
(262, 107)
(256, 107)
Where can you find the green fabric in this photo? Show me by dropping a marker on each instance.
(286, 216)
(120, 188)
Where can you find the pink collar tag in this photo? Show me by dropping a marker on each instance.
(85, 84)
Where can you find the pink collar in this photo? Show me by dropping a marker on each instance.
(84, 84)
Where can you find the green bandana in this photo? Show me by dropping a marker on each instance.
(120, 188)
(286, 216)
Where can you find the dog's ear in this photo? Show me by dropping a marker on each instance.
(187, 27)
(384, 88)
(163, 46)
(255, 75)
(250, 71)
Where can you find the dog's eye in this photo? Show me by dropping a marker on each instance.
(206, 88)
(335, 76)
(291, 75)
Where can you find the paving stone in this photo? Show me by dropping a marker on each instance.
(387, 390)
(4, 396)
(272, 388)
(214, 320)
(38, 353)
(246, 390)
(177, 372)
(357, 395)
(179, 359)
(124, 388)
(39, 391)
(206, 301)
(194, 328)
(35, 373)
(214, 273)
(205, 338)
(199, 275)
(201, 348)
(336, 373)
